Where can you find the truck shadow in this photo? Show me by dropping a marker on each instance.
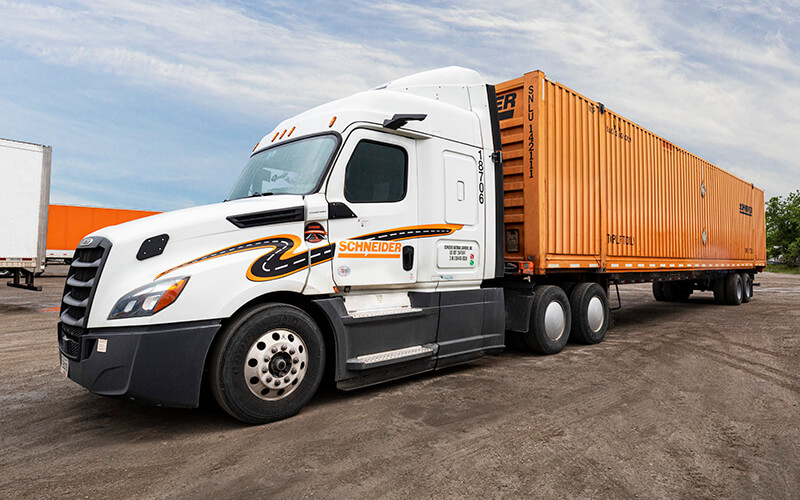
(126, 420)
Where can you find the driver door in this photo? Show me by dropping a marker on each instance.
(374, 223)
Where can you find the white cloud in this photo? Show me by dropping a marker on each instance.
(207, 49)
(721, 81)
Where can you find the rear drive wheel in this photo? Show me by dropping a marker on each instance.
(589, 313)
(733, 289)
(658, 291)
(267, 364)
(747, 287)
(551, 320)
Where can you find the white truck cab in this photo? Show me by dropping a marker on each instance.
(362, 236)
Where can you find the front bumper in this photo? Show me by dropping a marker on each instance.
(161, 364)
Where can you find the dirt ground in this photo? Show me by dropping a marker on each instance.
(681, 400)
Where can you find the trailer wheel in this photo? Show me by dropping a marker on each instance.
(658, 291)
(676, 292)
(719, 291)
(747, 287)
(733, 289)
(551, 320)
(267, 364)
(589, 313)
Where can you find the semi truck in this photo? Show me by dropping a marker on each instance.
(25, 177)
(401, 230)
(68, 224)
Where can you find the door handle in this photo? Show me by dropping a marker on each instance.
(408, 258)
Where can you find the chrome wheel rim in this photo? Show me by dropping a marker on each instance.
(276, 364)
(595, 314)
(554, 320)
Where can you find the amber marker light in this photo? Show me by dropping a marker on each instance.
(171, 294)
(275, 136)
(333, 120)
(256, 146)
(284, 133)
(290, 132)
(149, 299)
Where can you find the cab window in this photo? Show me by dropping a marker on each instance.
(376, 173)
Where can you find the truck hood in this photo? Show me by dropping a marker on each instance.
(217, 253)
(195, 222)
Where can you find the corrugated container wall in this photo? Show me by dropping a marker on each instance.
(68, 224)
(587, 189)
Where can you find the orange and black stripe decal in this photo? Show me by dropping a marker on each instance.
(281, 260)
(241, 247)
(407, 233)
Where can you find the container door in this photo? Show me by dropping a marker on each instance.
(374, 215)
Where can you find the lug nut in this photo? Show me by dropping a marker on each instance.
(264, 369)
(294, 371)
(286, 380)
(274, 350)
(269, 379)
(277, 383)
(296, 360)
(266, 359)
(283, 347)
(291, 351)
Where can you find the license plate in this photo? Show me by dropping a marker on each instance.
(64, 365)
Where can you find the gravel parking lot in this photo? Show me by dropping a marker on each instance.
(680, 400)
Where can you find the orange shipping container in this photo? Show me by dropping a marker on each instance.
(68, 224)
(586, 189)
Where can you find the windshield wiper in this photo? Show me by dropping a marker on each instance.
(260, 194)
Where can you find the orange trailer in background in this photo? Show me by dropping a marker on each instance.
(586, 190)
(68, 224)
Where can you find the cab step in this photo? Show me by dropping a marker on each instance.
(384, 358)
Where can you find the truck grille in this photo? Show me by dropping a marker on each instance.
(82, 279)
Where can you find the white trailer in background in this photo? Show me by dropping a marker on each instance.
(25, 177)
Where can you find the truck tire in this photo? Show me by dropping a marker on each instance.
(551, 320)
(676, 291)
(719, 290)
(747, 287)
(658, 291)
(267, 364)
(589, 305)
(733, 289)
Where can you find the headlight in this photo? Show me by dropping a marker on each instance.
(149, 299)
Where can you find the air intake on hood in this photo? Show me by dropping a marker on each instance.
(294, 214)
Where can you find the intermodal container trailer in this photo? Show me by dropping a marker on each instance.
(68, 224)
(590, 193)
(383, 235)
(25, 181)
(587, 189)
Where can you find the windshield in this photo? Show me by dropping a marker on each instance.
(291, 168)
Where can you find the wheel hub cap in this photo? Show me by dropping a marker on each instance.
(276, 364)
(595, 314)
(554, 321)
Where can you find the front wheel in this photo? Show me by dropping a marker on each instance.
(267, 364)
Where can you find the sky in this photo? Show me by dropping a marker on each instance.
(157, 105)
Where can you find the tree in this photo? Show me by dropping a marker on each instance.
(783, 227)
